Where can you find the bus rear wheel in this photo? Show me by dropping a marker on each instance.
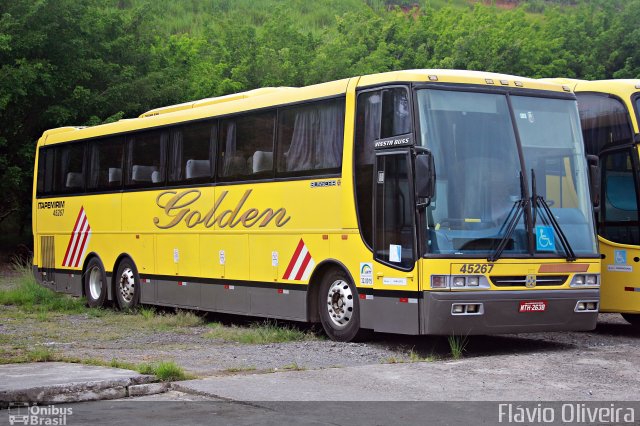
(95, 283)
(127, 284)
(339, 308)
(633, 319)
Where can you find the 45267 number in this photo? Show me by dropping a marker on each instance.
(476, 268)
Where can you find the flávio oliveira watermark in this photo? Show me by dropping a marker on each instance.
(44, 415)
(568, 413)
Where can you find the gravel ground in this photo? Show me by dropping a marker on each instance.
(119, 336)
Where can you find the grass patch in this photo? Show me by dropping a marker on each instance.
(416, 357)
(168, 371)
(457, 345)
(163, 322)
(240, 369)
(257, 333)
(292, 367)
(31, 297)
(40, 354)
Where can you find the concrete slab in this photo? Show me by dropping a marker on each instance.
(55, 382)
(529, 377)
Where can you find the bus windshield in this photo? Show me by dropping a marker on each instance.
(478, 172)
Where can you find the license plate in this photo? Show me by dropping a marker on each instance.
(533, 306)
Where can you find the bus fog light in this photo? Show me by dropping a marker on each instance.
(592, 306)
(472, 309)
(581, 306)
(578, 280)
(457, 309)
(439, 281)
(473, 281)
(591, 280)
(458, 281)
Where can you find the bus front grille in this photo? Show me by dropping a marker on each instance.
(521, 280)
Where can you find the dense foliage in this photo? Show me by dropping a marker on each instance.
(70, 62)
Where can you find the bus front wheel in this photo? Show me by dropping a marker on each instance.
(95, 283)
(633, 319)
(338, 307)
(127, 285)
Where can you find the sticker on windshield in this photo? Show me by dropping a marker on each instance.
(395, 253)
(545, 240)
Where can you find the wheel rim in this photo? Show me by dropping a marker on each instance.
(95, 283)
(127, 285)
(340, 303)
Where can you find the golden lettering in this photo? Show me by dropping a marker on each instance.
(247, 216)
(178, 208)
(174, 204)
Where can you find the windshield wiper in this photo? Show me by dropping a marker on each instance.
(511, 222)
(540, 202)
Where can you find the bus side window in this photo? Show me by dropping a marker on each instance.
(190, 152)
(380, 114)
(146, 158)
(69, 168)
(105, 164)
(45, 171)
(246, 147)
(310, 138)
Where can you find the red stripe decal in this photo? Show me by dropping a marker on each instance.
(631, 289)
(404, 300)
(64, 263)
(363, 296)
(303, 267)
(77, 247)
(82, 244)
(75, 242)
(280, 291)
(294, 258)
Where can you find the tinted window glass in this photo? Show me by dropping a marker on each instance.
(45, 171)
(310, 137)
(394, 215)
(604, 120)
(147, 158)
(247, 147)
(619, 210)
(381, 114)
(105, 158)
(69, 168)
(190, 152)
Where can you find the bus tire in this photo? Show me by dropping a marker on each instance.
(127, 284)
(95, 283)
(633, 319)
(339, 307)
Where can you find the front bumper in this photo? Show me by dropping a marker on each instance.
(500, 312)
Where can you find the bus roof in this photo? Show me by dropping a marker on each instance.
(622, 88)
(273, 96)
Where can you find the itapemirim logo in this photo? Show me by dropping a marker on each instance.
(21, 413)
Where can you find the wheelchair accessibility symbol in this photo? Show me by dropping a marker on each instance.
(620, 257)
(545, 240)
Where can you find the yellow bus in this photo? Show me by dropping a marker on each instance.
(609, 111)
(413, 202)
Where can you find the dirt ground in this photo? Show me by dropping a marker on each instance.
(107, 335)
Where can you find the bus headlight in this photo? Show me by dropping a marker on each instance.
(458, 281)
(588, 280)
(439, 281)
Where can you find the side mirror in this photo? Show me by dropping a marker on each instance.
(425, 174)
(594, 180)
